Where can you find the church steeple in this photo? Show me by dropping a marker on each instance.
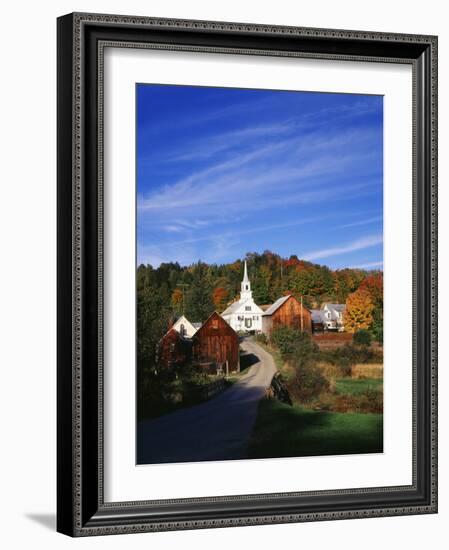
(245, 274)
(245, 293)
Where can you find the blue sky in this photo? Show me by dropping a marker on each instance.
(222, 172)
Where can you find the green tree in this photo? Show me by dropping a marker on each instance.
(362, 337)
(199, 303)
(152, 322)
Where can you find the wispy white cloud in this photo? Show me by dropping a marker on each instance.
(230, 234)
(206, 148)
(358, 244)
(275, 174)
(366, 221)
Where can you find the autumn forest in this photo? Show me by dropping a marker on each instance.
(197, 290)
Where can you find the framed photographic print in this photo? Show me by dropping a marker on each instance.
(247, 281)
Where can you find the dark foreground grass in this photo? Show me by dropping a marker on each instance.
(283, 431)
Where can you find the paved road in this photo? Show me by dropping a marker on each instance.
(218, 429)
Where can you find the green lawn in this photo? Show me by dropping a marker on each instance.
(283, 431)
(357, 386)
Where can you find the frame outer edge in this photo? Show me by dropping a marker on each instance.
(65, 270)
(74, 527)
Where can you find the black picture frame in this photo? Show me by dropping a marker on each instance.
(81, 509)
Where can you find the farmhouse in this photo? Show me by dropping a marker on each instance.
(333, 316)
(174, 350)
(185, 327)
(329, 317)
(287, 311)
(244, 314)
(216, 344)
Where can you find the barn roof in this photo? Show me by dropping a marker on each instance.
(178, 335)
(277, 304)
(213, 314)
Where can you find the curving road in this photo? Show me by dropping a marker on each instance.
(218, 429)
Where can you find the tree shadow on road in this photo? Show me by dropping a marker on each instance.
(248, 360)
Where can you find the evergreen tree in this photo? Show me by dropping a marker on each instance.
(199, 303)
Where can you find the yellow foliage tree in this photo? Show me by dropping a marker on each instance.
(359, 311)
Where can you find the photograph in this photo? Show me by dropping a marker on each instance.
(259, 273)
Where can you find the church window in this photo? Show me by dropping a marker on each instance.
(247, 287)
(247, 308)
(182, 330)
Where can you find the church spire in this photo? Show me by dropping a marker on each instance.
(245, 274)
(245, 293)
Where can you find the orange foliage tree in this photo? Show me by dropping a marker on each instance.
(177, 300)
(220, 298)
(374, 284)
(359, 311)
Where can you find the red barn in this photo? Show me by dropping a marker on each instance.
(287, 311)
(216, 343)
(175, 350)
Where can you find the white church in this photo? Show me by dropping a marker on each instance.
(244, 314)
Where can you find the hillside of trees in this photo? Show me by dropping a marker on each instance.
(197, 290)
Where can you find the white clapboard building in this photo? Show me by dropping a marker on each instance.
(244, 314)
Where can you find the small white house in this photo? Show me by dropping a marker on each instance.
(244, 314)
(185, 327)
(332, 316)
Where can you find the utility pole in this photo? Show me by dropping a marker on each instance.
(183, 286)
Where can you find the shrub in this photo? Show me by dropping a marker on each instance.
(378, 333)
(261, 337)
(352, 354)
(362, 337)
(344, 365)
(307, 383)
(292, 342)
(371, 401)
(285, 339)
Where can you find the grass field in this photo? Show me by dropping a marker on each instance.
(284, 431)
(354, 386)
